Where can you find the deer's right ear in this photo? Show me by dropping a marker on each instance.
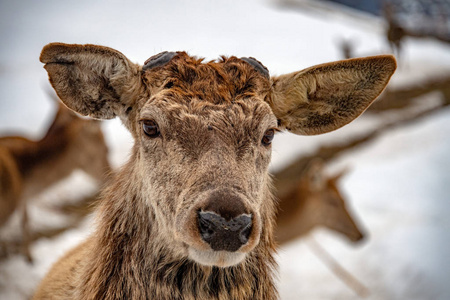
(92, 80)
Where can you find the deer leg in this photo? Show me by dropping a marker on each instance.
(26, 233)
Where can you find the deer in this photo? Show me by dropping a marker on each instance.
(191, 215)
(314, 201)
(30, 167)
(346, 47)
(10, 184)
(395, 32)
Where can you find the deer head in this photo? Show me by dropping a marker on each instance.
(315, 201)
(203, 134)
(323, 204)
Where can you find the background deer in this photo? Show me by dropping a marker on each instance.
(10, 184)
(395, 33)
(30, 167)
(315, 201)
(191, 215)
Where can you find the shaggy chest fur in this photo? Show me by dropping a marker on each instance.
(185, 280)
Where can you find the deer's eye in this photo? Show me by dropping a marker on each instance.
(150, 128)
(268, 137)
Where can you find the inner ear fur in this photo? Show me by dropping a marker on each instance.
(326, 97)
(92, 80)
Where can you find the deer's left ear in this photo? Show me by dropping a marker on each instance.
(326, 97)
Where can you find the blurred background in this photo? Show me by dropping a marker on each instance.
(396, 156)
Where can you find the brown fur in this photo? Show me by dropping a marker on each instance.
(212, 117)
(328, 96)
(315, 201)
(30, 167)
(10, 184)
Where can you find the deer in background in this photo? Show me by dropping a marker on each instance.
(10, 184)
(191, 215)
(395, 33)
(30, 167)
(347, 48)
(313, 202)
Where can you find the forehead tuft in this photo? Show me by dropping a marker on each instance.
(222, 81)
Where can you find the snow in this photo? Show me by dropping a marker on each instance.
(398, 185)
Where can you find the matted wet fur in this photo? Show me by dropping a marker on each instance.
(202, 145)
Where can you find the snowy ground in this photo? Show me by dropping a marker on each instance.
(398, 185)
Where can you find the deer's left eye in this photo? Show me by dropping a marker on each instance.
(268, 137)
(150, 128)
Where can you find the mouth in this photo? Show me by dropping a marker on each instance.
(216, 258)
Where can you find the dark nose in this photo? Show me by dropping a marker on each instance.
(225, 235)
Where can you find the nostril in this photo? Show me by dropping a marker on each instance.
(245, 233)
(206, 227)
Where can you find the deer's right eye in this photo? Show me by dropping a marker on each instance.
(151, 129)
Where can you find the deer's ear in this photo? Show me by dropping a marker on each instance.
(315, 173)
(326, 97)
(92, 80)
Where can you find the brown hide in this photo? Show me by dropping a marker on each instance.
(30, 167)
(315, 201)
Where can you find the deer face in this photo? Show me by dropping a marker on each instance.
(323, 203)
(205, 140)
(203, 131)
(210, 167)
